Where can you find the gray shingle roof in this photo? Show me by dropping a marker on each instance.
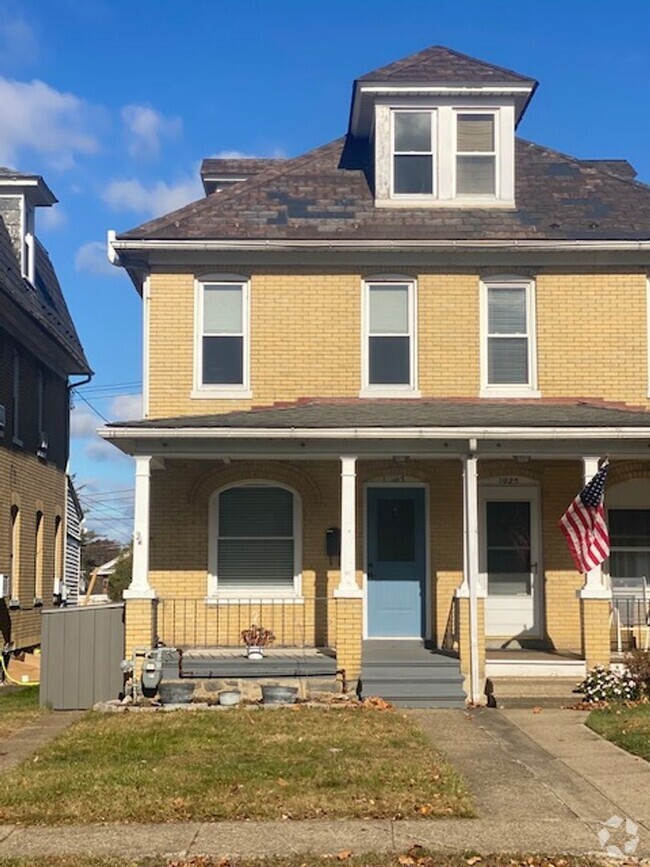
(326, 194)
(43, 302)
(434, 413)
(438, 64)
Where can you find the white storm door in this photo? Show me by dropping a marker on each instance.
(509, 559)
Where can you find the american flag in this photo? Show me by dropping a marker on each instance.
(584, 525)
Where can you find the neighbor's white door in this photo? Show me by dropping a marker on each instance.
(509, 561)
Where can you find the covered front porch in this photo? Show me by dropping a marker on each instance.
(444, 534)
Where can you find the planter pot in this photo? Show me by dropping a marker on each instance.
(176, 691)
(229, 697)
(279, 694)
(254, 652)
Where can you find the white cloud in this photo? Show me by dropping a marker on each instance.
(18, 42)
(126, 407)
(103, 452)
(83, 422)
(277, 154)
(39, 118)
(145, 128)
(52, 218)
(153, 200)
(91, 258)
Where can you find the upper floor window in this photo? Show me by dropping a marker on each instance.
(16, 399)
(222, 340)
(413, 152)
(475, 154)
(389, 353)
(456, 152)
(508, 339)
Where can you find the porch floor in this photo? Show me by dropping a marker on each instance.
(533, 663)
(231, 662)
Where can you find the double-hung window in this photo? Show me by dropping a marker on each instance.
(222, 339)
(476, 154)
(413, 143)
(257, 535)
(508, 339)
(389, 339)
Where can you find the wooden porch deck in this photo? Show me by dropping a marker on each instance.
(232, 662)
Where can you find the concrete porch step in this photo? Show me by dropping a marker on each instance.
(528, 692)
(444, 702)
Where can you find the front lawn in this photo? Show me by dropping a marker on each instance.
(18, 708)
(241, 764)
(627, 727)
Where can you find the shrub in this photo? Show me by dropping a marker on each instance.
(604, 684)
(638, 664)
(120, 579)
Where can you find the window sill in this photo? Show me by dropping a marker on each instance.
(256, 600)
(387, 392)
(510, 392)
(234, 393)
(459, 203)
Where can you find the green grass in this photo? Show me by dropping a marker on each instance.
(627, 727)
(239, 764)
(423, 858)
(18, 708)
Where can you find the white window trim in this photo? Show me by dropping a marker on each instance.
(445, 109)
(433, 153)
(475, 197)
(409, 390)
(235, 594)
(238, 391)
(647, 307)
(500, 390)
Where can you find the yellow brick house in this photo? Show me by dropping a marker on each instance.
(375, 376)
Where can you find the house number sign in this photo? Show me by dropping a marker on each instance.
(509, 481)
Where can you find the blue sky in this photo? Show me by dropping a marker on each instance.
(116, 103)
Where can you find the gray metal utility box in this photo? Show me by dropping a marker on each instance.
(81, 651)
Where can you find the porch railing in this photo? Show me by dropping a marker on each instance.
(295, 623)
(630, 623)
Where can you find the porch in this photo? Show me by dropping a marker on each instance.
(431, 534)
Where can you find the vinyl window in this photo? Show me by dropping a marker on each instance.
(389, 341)
(508, 340)
(223, 337)
(476, 154)
(413, 153)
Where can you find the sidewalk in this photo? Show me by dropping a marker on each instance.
(542, 782)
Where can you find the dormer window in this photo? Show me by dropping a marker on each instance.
(476, 154)
(413, 153)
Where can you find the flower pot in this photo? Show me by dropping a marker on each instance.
(229, 697)
(254, 652)
(273, 694)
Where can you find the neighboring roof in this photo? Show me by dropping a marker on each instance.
(43, 302)
(434, 413)
(440, 65)
(34, 186)
(326, 194)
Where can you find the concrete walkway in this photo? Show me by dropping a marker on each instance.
(22, 744)
(542, 782)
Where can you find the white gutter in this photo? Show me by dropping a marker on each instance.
(117, 244)
(375, 433)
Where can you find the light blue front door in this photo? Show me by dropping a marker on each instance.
(396, 562)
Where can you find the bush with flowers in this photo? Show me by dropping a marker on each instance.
(605, 684)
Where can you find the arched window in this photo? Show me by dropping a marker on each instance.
(255, 547)
(38, 559)
(14, 552)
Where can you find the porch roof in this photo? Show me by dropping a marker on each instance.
(456, 414)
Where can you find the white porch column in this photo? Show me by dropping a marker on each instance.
(140, 587)
(348, 587)
(595, 586)
(470, 589)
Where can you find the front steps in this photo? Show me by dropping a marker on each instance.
(408, 675)
(530, 692)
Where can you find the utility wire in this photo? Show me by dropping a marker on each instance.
(94, 409)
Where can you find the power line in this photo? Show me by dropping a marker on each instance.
(94, 409)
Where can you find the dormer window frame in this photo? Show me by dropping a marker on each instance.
(432, 153)
(445, 109)
(495, 152)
